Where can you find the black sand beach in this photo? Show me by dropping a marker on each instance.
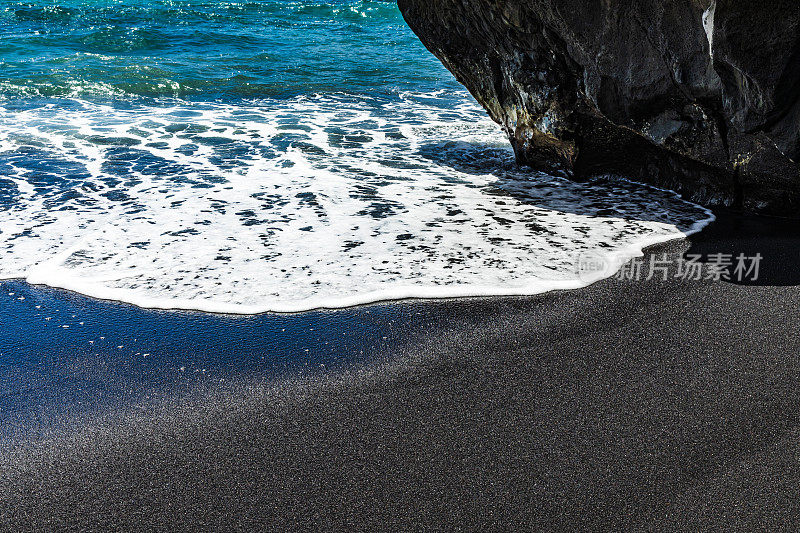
(629, 404)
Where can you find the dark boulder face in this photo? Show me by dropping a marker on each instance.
(699, 96)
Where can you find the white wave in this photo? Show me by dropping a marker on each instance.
(319, 201)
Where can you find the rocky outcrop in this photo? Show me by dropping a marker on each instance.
(700, 96)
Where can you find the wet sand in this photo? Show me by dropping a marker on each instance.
(628, 404)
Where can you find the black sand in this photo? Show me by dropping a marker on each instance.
(629, 404)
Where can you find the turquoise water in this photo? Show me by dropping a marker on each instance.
(276, 156)
(210, 50)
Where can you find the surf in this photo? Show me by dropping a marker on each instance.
(325, 200)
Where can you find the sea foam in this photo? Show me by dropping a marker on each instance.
(288, 205)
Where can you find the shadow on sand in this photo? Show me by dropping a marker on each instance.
(776, 240)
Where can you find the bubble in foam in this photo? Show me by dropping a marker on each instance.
(287, 205)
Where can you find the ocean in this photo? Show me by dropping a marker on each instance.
(275, 155)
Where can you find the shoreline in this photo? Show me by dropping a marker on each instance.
(626, 404)
(398, 295)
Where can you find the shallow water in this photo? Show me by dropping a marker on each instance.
(276, 156)
(65, 357)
